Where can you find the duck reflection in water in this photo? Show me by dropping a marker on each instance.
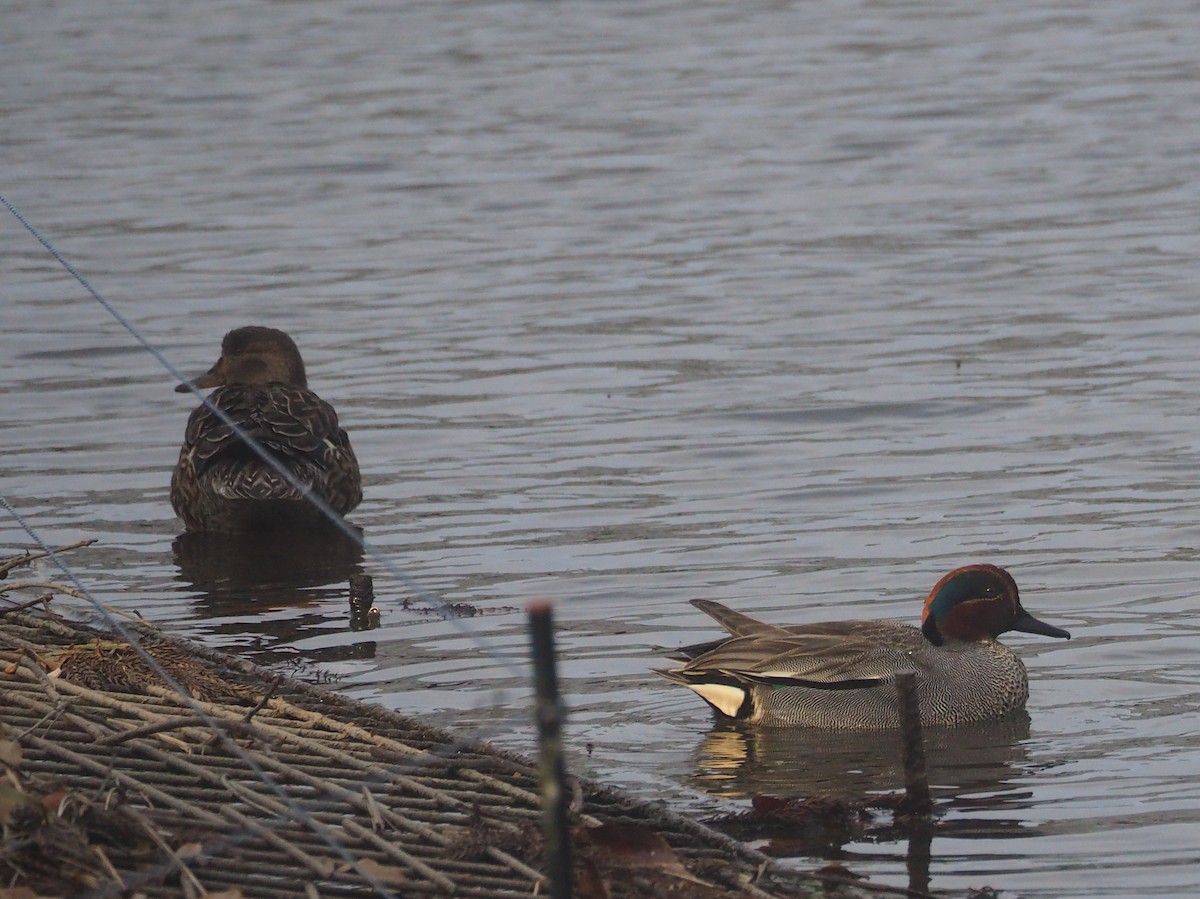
(241, 576)
(736, 761)
(816, 794)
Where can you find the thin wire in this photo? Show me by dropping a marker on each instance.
(300, 812)
(323, 507)
(379, 775)
(210, 722)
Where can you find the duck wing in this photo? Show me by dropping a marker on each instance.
(837, 655)
(292, 423)
(736, 623)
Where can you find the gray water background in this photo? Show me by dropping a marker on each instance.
(791, 305)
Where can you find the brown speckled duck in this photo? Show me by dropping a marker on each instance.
(841, 674)
(220, 484)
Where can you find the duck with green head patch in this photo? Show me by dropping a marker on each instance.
(841, 674)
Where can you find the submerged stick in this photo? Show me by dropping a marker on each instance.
(362, 600)
(552, 769)
(916, 780)
(917, 802)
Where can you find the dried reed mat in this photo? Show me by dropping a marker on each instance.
(112, 784)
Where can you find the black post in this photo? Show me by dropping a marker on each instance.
(549, 712)
(916, 781)
(917, 802)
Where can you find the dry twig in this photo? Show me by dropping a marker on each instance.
(52, 586)
(7, 565)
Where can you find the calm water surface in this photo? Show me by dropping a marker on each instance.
(791, 305)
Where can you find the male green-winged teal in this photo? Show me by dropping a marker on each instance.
(220, 483)
(840, 674)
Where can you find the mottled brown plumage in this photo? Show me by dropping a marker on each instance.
(221, 484)
(841, 674)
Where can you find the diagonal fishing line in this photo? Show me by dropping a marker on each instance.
(328, 512)
(323, 507)
(382, 776)
(229, 743)
(378, 775)
(303, 814)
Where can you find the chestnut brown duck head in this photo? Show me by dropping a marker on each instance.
(221, 484)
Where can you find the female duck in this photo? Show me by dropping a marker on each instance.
(220, 483)
(840, 674)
